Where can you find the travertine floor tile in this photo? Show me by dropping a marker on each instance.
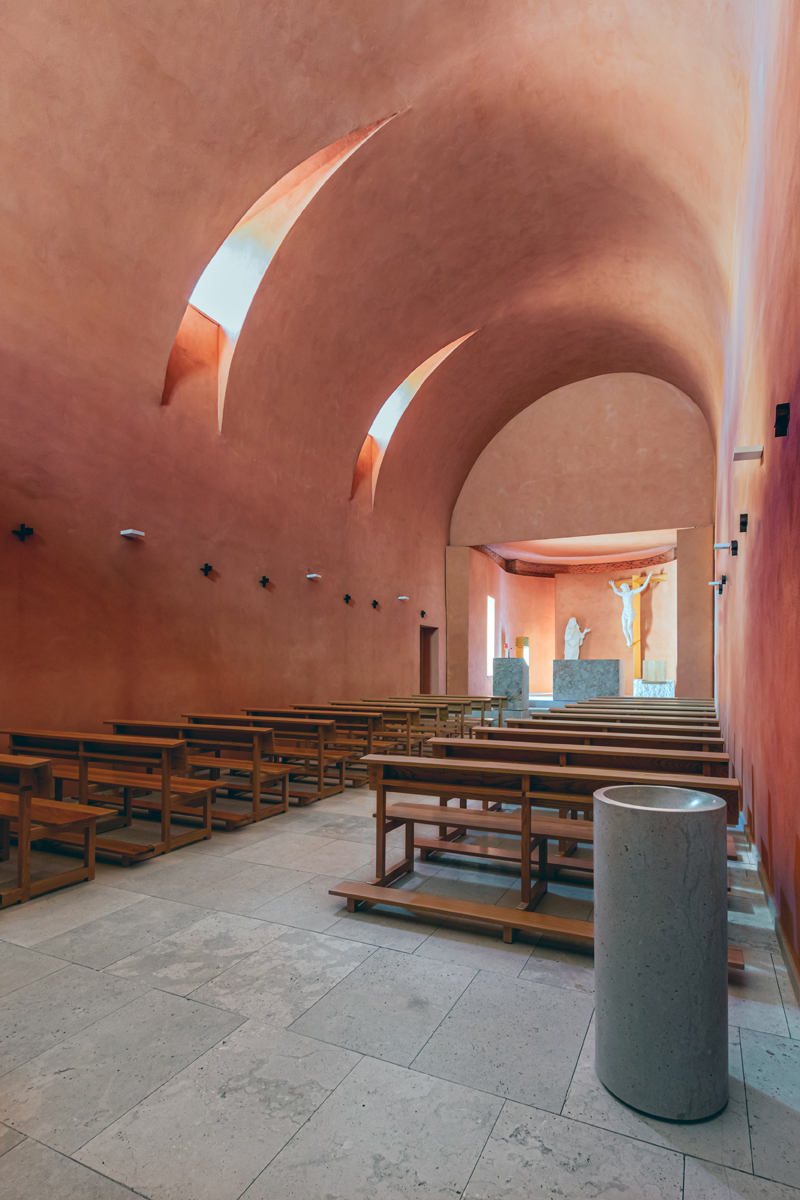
(20, 966)
(208, 1133)
(708, 1181)
(560, 968)
(337, 858)
(281, 850)
(723, 1139)
(754, 998)
(248, 889)
(386, 1133)
(9, 1138)
(106, 940)
(535, 1155)
(69, 1093)
(479, 950)
(308, 906)
(385, 927)
(772, 1076)
(55, 913)
(277, 984)
(186, 960)
(34, 1172)
(519, 1040)
(388, 1007)
(44, 1013)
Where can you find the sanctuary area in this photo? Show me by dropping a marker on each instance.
(399, 745)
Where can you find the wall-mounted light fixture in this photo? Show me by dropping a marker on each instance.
(313, 575)
(402, 597)
(206, 569)
(374, 603)
(742, 522)
(348, 598)
(717, 583)
(734, 548)
(131, 533)
(422, 612)
(782, 419)
(23, 532)
(263, 581)
(745, 453)
(722, 545)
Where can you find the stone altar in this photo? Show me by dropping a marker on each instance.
(588, 678)
(511, 678)
(645, 687)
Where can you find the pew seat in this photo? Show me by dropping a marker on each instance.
(32, 820)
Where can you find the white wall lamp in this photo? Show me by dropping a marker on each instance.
(312, 575)
(402, 597)
(745, 453)
(131, 533)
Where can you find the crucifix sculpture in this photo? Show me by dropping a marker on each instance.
(629, 591)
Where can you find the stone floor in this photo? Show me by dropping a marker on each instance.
(213, 1024)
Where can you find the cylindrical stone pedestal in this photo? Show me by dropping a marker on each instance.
(660, 944)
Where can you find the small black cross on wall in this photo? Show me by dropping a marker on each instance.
(23, 532)
(207, 569)
(263, 581)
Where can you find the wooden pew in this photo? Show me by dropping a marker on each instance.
(601, 725)
(241, 751)
(434, 715)
(486, 705)
(401, 719)
(548, 733)
(509, 920)
(496, 783)
(79, 757)
(568, 790)
(614, 715)
(307, 745)
(28, 811)
(689, 762)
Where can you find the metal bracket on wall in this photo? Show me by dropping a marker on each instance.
(23, 532)
(206, 569)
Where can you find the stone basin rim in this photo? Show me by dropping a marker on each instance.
(685, 800)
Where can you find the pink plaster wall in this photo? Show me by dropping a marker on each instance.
(591, 601)
(524, 607)
(591, 458)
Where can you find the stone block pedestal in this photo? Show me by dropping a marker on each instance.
(511, 679)
(587, 678)
(644, 687)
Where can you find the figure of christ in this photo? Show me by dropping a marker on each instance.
(626, 593)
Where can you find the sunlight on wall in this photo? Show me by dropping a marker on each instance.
(490, 622)
(225, 290)
(384, 425)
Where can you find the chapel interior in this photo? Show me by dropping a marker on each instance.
(397, 430)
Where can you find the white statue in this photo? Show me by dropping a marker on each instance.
(627, 593)
(573, 639)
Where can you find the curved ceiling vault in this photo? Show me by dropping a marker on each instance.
(225, 290)
(576, 242)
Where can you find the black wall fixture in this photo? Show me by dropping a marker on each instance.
(782, 419)
(734, 548)
(263, 581)
(374, 603)
(23, 532)
(206, 569)
(348, 598)
(422, 612)
(742, 522)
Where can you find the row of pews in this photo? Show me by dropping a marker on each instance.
(521, 792)
(200, 773)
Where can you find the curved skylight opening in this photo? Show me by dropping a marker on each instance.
(384, 425)
(225, 290)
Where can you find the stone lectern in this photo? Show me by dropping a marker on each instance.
(511, 679)
(586, 679)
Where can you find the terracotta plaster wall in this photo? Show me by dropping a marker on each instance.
(544, 182)
(695, 670)
(524, 607)
(591, 601)
(592, 457)
(759, 611)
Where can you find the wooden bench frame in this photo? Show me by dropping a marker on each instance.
(38, 817)
(690, 762)
(316, 743)
(543, 734)
(613, 716)
(212, 740)
(167, 756)
(602, 725)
